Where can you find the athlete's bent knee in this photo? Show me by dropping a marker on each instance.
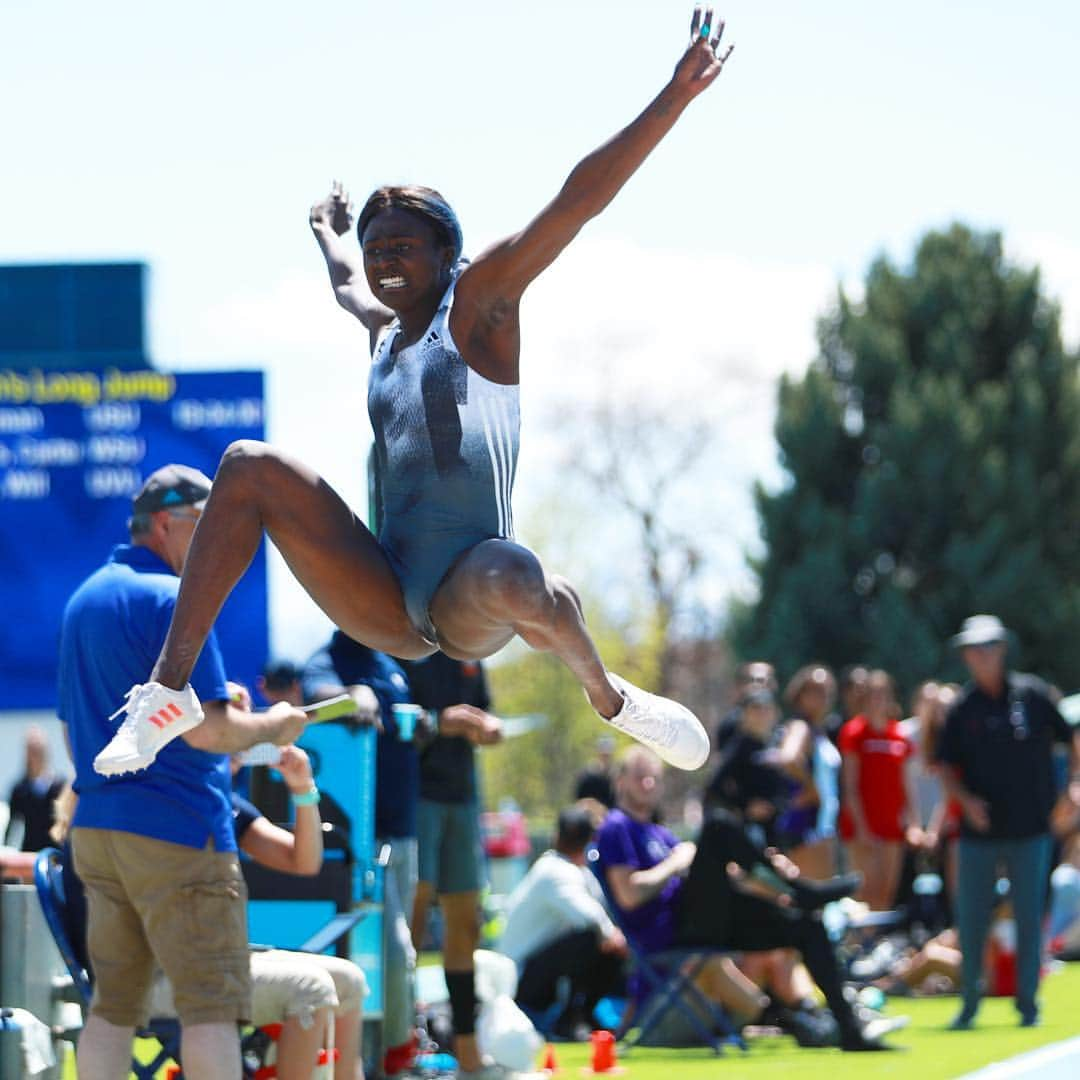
(247, 462)
(242, 455)
(514, 580)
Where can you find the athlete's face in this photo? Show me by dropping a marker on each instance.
(403, 260)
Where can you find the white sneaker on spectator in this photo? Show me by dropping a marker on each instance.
(664, 726)
(880, 1026)
(155, 716)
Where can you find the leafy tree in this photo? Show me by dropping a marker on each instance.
(933, 455)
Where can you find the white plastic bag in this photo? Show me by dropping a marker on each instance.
(507, 1035)
(495, 975)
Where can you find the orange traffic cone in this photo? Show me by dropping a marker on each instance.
(603, 1051)
(551, 1064)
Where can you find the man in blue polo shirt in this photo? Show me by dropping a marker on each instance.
(156, 848)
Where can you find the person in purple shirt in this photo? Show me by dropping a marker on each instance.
(666, 892)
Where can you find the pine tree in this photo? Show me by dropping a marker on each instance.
(933, 455)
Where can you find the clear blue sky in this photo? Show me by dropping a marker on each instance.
(194, 136)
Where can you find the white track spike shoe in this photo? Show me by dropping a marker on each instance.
(667, 728)
(155, 716)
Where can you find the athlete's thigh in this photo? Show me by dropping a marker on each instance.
(335, 557)
(469, 625)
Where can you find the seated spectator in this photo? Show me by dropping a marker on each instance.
(594, 781)
(557, 928)
(277, 974)
(669, 892)
(31, 799)
(937, 968)
(879, 808)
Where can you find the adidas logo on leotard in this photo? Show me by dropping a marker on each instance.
(430, 342)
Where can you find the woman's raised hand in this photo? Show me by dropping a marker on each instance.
(335, 211)
(703, 60)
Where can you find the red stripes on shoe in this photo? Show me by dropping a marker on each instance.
(166, 716)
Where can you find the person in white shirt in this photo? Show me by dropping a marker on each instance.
(557, 928)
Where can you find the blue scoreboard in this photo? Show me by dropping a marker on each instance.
(75, 445)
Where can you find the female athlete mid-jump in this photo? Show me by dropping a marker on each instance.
(444, 571)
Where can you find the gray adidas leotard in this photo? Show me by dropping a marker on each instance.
(446, 443)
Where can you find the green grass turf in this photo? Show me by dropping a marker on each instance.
(925, 1050)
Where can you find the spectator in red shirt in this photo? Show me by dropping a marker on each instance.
(878, 812)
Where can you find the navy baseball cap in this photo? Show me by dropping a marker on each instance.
(172, 486)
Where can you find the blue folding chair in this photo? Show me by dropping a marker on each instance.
(668, 978)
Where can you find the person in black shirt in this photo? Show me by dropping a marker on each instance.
(451, 865)
(754, 675)
(746, 779)
(997, 748)
(31, 799)
(595, 780)
(378, 683)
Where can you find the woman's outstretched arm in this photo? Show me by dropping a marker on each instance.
(330, 219)
(490, 288)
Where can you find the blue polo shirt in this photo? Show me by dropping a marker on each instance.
(345, 662)
(113, 629)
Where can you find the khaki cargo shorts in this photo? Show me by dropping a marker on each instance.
(154, 903)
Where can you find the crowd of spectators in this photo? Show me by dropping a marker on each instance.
(953, 824)
(956, 821)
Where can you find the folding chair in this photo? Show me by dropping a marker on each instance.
(668, 979)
